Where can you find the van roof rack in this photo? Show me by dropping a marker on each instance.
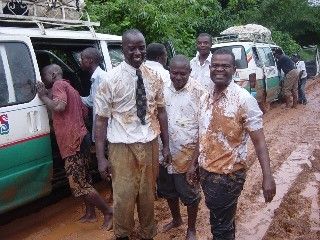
(243, 37)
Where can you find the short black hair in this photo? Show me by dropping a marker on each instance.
(225, 51)
(180, 59)
(132, 31)
(94, 54)
(278, 51)
(205, 35)
(154, 51)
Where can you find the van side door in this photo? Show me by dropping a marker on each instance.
(272, 79)
(25, 147)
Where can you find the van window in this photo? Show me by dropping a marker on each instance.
(16, 73)
(266, 56)
(116, 54)
(239, 53)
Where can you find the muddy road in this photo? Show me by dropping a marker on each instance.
(293, 138)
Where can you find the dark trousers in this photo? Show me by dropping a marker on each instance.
(221, 193)
(301, 90)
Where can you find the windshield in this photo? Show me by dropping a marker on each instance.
(239, 53)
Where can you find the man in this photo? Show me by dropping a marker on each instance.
(68, 114)
(90, 61)
(131, 102)
(226, 119)
(156, 60)
(291, 78)
(201, 62)
(301, 67)
(182, 98)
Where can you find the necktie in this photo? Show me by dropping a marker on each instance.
(141, 99)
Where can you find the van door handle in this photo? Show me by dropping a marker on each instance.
(33, 121)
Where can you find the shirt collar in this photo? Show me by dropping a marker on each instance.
(207, 60)
(131, 70)
(95, 74)
(171, 87)
(226, 91)
(154, 64)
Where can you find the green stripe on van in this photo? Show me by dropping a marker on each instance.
(25, 172)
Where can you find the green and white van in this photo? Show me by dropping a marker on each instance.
(30, 164)
(256, 67)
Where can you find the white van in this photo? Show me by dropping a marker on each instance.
(256, 66)
(30, 164)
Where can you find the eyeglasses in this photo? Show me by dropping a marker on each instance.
(223, 66)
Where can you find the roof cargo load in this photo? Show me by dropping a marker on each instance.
(249, 32)
(51, 9)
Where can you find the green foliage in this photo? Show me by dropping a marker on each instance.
(180, 21)
(285, 41)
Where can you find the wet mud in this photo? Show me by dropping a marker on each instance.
(293, 138)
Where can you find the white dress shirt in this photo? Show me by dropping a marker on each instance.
(183, 107)
(158, 67)
(223, 129)
(301, 66)
(97, 77)
(116, 100)
(201, 72)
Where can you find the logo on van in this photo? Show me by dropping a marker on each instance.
(4, 124)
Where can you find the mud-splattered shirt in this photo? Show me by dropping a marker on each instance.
(201, 73)
(116, 100)
(183, 107)
(223, 129)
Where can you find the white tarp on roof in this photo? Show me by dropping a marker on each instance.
(252, 32)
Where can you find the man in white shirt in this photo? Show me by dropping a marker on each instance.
(130, 107)
(201, 62)
(156, 60)
(227, 119)
(90, 61)
(301, 67)
(182, 96)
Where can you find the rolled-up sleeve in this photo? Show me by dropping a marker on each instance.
(103, 100)
(252, 114)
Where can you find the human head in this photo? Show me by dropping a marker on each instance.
(204, 43)
(90, 59)
(134, 47)
(179, 71)
(295, 57)
(222, 67)
(50, 74)
(157, 52)
(278, 53)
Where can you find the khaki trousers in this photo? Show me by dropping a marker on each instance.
(134, 172)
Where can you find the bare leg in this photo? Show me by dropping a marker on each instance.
(175, 212)
(90, 215)
(95, 199)
(192, 218)
(294, 98)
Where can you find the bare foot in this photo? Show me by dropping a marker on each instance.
(172, 224)
(191, 234)
(88, 219)
(108, 221)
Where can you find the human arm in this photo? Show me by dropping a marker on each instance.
(164, 134)
(54, 105)
(268, 184)
(192, 173)
(101, 125)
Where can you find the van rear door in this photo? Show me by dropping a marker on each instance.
(25, 147)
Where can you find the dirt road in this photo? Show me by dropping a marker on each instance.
(293, 138)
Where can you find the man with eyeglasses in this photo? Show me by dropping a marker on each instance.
(227, 118)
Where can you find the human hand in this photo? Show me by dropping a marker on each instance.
(269, 188)
(192, 175)
(167, 158)
(104, 168)
(41, 89)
